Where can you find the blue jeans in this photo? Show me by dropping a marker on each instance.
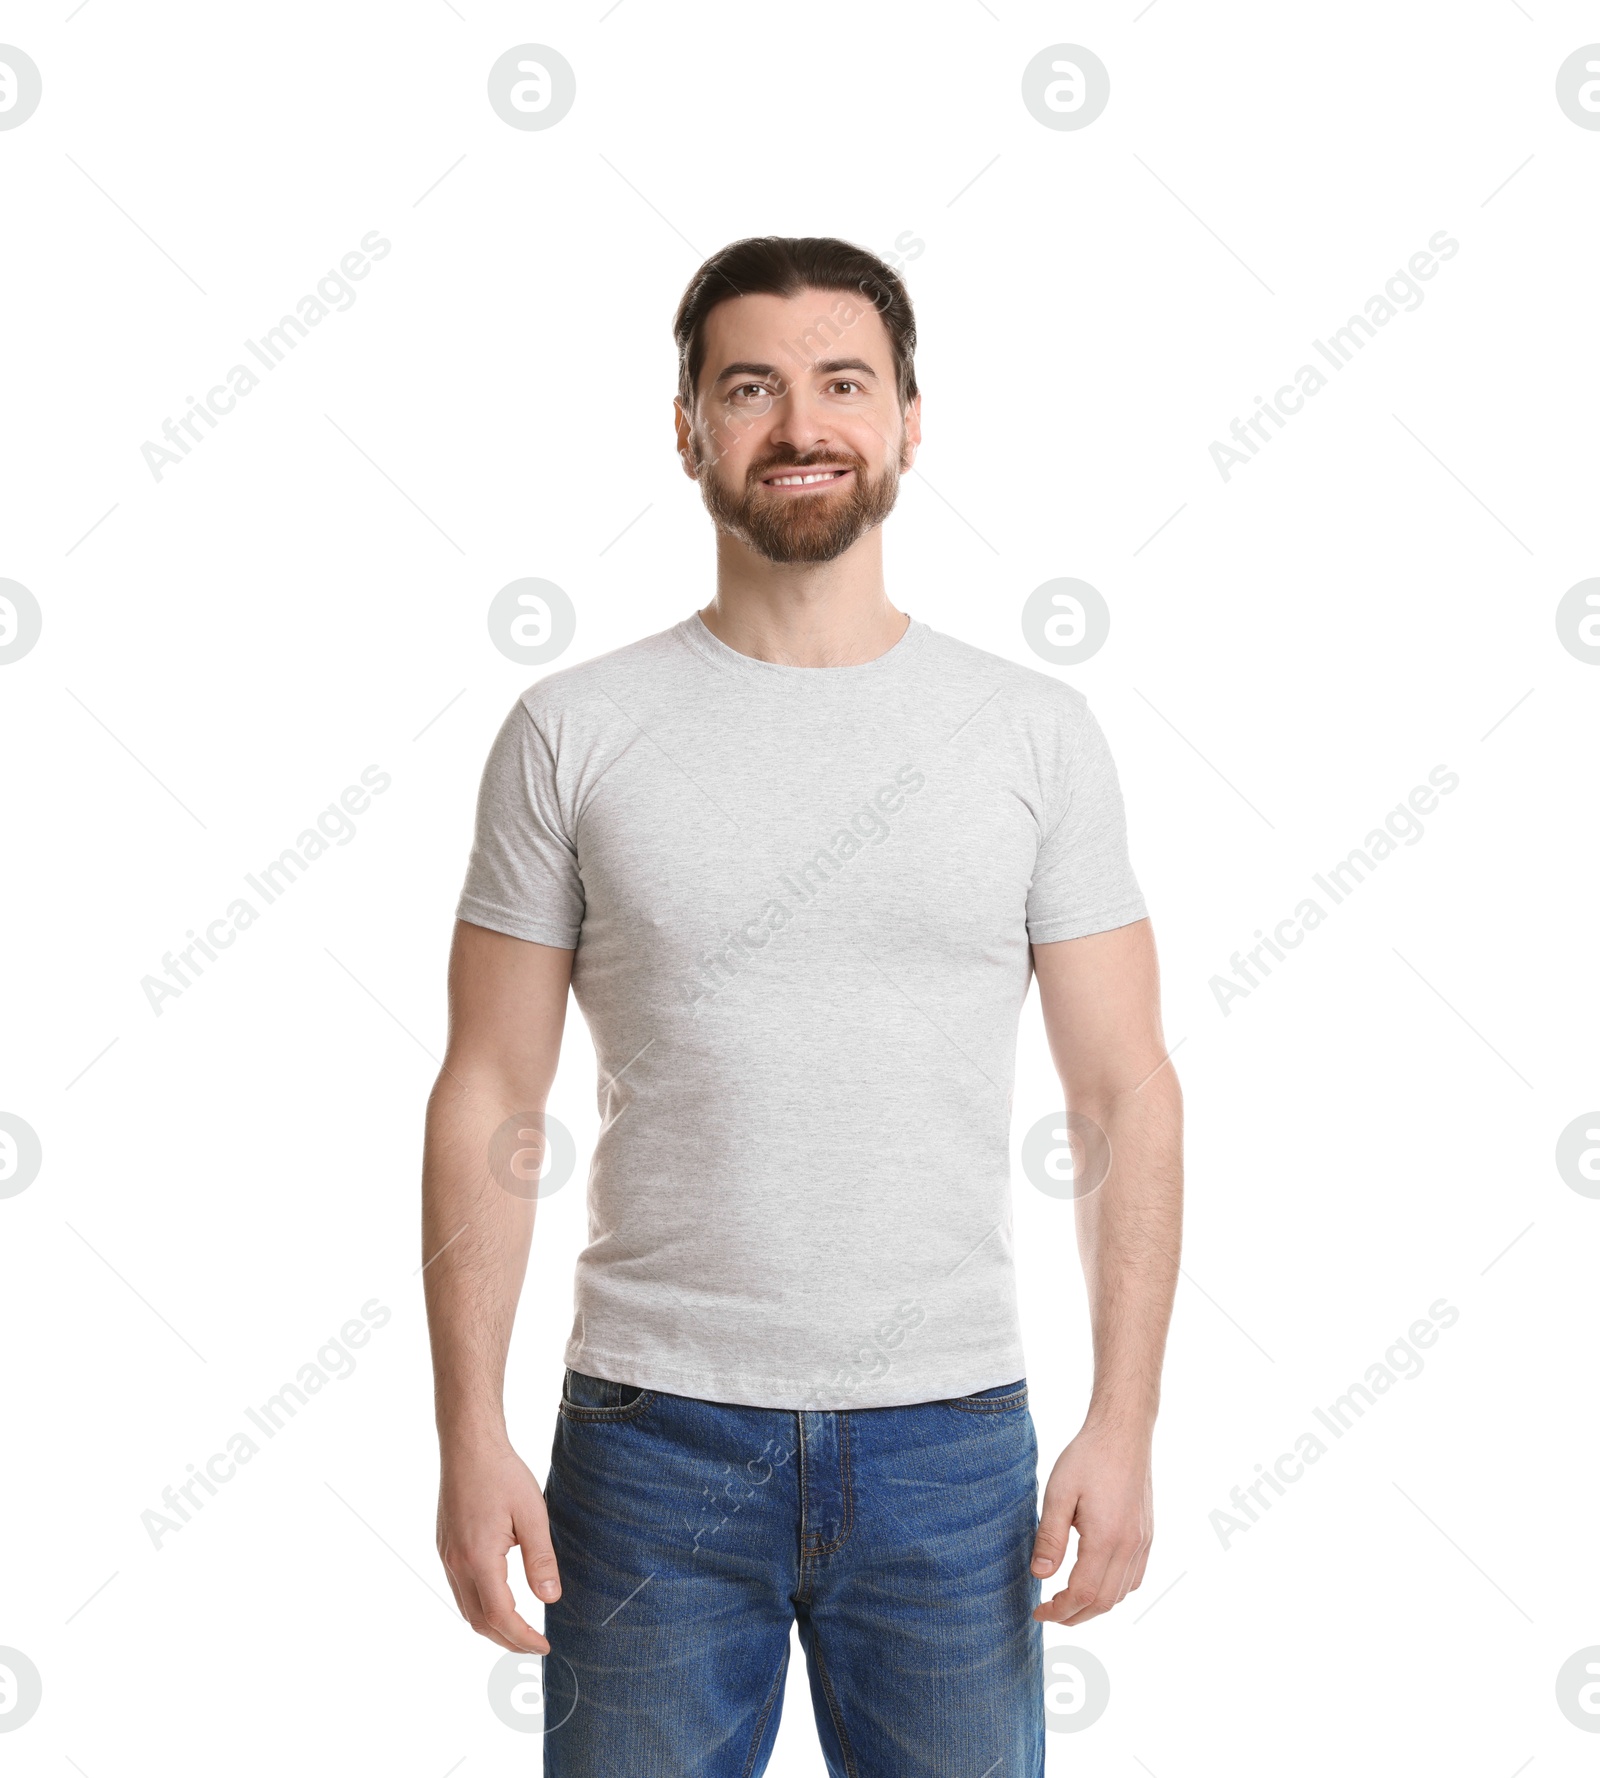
(690, 1534)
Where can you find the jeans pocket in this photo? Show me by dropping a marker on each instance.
(598, 1399)
(1002, 1398)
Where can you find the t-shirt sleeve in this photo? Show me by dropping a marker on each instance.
(522, 877)
(1083, 881)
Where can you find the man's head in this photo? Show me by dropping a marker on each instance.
(795, 357)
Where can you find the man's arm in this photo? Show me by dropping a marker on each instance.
(1101, 1001)
(508, 1002)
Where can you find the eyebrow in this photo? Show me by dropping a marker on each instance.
(824, 367)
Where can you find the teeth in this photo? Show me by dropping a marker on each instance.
(805, 481)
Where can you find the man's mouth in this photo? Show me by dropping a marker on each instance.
(819, 476)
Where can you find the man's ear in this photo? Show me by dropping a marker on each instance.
(913, 431)
(687, 455)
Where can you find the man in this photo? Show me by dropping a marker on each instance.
(797, 856)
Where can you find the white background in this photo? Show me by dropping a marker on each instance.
(224, 650)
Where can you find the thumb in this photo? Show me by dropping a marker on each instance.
(532, 1526)
(1055, 1522)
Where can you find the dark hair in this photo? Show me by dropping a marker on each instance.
(783, 265)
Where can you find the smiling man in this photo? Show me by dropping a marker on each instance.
(798, 858)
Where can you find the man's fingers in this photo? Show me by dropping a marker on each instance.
(492, 1611)
(538, 1558)
(1055, 1522)
(497, 1618)
(472, 1610)
(1084, 1595)
(1099, 1578)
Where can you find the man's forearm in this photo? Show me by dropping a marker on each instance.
(1129, 1230)
(475, 1239)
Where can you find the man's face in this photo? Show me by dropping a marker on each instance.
(798, 441)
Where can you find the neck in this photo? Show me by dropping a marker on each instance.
(804, 614)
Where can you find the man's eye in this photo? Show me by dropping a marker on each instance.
(758, 388)
(847, 383)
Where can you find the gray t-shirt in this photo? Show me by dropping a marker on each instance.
(801, 900)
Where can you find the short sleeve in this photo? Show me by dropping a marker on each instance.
(522, 877)
(1083, 881)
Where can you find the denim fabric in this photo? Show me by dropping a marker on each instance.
(691, 1534)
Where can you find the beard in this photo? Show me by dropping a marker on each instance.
(794, 528)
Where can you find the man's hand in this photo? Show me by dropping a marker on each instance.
(488, 1501)
(1101, 1485)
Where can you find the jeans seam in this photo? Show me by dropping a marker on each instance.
(766, 1710)
(804, 1472)
(833, 1704)
(847, 1513)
